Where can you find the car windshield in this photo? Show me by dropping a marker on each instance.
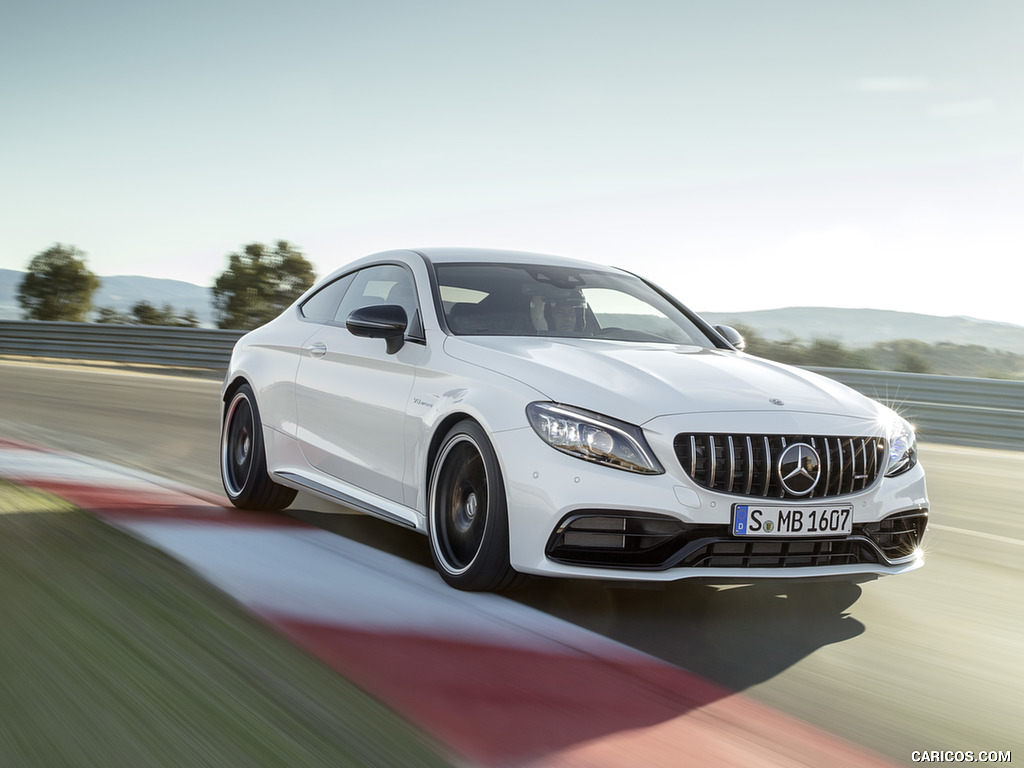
(542, 300)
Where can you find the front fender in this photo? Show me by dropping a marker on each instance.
(443, 395)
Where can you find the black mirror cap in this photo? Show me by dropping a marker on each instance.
(734, 337)
(380, 321)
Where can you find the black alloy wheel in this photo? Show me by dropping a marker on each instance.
(468, 513)
(243, 459)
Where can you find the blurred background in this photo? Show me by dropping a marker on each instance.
(746, 157)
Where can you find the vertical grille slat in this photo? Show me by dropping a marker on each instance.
(852, 471)
(870, 469)
(828, 465)
(714, 461)
(842, 465)
(750, 466)
(864, 463)
(732, 466)
(744, 465)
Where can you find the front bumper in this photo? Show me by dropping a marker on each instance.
(568, 517)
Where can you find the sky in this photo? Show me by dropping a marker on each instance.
(743, 154)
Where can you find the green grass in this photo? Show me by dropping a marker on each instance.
(16, 499)
(113, 654)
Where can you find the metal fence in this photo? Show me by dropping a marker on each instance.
(201, 348)
(947, 409)
(984, 412)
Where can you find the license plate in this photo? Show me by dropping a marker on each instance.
(770, 520)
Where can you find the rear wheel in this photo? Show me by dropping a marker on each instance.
(243, 458)
(468, 513)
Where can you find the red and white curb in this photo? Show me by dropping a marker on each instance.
(498, 682)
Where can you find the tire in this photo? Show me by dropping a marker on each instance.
(243, 458)
(468, 513)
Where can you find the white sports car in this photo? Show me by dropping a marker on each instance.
(532, 414)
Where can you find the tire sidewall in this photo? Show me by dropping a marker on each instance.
(489, 565)
(257, 461)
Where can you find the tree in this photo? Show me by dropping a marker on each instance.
(188, 320)
(58, 286)
(822, 353)
(144, 313)
(109, 315)
(259, 284)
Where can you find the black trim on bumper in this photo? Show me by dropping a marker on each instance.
(651, 542)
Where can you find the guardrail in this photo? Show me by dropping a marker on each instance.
(983, 412)
(203, 348)
(947, 409)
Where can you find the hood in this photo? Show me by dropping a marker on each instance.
(639, 382)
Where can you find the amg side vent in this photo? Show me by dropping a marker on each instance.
(898, 535)
(749, 465)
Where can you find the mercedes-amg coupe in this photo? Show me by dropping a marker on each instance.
(538, 415)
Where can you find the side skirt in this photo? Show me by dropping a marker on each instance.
(393, 513)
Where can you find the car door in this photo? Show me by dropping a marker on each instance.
(351, 395)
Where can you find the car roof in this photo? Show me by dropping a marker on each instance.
(501, 256)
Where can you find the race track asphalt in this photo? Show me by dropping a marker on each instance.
(930, 660)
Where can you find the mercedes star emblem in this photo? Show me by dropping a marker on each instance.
(799, 469)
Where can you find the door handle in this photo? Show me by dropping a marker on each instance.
(317, 349)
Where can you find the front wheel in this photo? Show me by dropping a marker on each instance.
(243, 458)
(468, 513)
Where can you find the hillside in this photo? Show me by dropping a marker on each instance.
(852, 328)
(855, 328)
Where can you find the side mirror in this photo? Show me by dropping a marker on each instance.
(380, 321)
(734, 337)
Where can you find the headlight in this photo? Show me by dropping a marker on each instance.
(902, 447)
(593, 437)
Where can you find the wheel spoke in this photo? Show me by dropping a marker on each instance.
(466, 494)
(467, 512)
(462, 498)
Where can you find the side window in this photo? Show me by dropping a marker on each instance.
(322, 306)
(383, 284)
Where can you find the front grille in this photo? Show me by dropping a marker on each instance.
(747, 465)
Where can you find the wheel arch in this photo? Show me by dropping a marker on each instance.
(231, 387)
(441, 429)
(228, 392)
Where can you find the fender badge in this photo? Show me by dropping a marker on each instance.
(776, 401)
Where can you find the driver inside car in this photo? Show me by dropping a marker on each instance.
(562, 312)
